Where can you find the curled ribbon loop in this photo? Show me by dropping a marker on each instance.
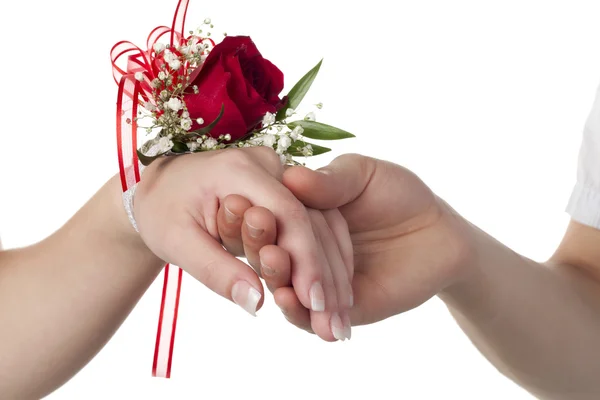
(132, 92)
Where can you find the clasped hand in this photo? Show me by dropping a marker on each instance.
(347, 245)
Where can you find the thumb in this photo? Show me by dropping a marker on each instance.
(335, 185)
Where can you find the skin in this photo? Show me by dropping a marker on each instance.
(538, 323)
(63, 298)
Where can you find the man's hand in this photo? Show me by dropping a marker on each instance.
(408, 244)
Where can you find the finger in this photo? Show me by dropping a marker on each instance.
(292, 309)
(338, 225)
(333, 186)
(206, 260)
(276, 267)
(329, 288)
(295, 234)
(229, 223)
(338, 272)
(328, 326)
(258, 230)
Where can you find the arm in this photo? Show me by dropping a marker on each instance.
(539, 324)
(63, 298)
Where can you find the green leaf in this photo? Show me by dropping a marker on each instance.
(179, 147)
(297, 93)
(206, 130)
(296, 149)
(147, 160)
(316, 130)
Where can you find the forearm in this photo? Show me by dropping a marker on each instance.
(539, 324)
(63, 298)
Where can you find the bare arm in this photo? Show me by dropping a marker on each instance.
(539, 324)
(63, 298)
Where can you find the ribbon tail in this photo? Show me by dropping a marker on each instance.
(167, 322)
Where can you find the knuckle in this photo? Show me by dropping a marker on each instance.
(234, 159)
(208, 274)
(295, 210)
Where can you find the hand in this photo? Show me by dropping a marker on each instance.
(252, 232)
(176, 209)
(408, 244)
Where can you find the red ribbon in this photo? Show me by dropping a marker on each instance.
(130, 95)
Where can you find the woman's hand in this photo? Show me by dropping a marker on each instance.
(183, 229)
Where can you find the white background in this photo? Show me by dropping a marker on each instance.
(484, 100)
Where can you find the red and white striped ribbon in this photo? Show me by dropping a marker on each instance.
(130, 95)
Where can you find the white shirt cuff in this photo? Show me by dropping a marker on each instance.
(584, 205)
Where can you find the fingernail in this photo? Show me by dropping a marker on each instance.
(267, 270)
(254, 232)
(317, 297)
(337, 327)
(245, 296)
(230, 217)
(347, 326)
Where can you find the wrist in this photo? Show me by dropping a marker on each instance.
(468, 275)
(123, 232)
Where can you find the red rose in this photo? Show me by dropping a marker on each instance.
(237, 76)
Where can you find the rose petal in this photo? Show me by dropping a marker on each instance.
(212, 94)
(250, 103)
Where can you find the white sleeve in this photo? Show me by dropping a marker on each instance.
(584, 205)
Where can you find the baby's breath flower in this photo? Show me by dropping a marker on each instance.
(175, 64)
(164, 95)
(268, 140)
(200, 121)
(227, 137)
(156, 83)
(319, 105)
(209, 143)
(158, 47)
(169, 56)
(162, 75)
(139, 76)
(185, 114)
(284, 143)
(207, 21)
(268, 119)
(186, 124)
(164, 144)
(310, 117)
(193, 146)
(174, 104)
(307, 150)
(289, 112)
(297, 132)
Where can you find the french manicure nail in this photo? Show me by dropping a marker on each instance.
(347, 326)
(245, 296)
(317, 297)
(230, 217)
(254, 232)
(337, 327)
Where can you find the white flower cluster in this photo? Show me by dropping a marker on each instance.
(277, 135)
